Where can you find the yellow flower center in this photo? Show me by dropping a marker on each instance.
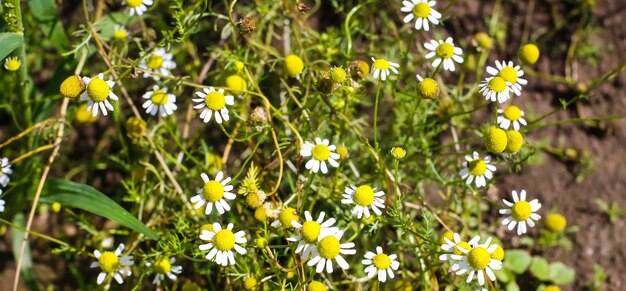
(447, 234)
(421, 10)
(236, 84)
(478, 258)
(496, 140)
(98, 90)
(320, 152)
(215, 100)
(135, 127)
(207, 226)
(72, 87)
(316, 286)
(364, 195)
(249, 283)
(497, 84)
(381, 261)
(154, 62)
(12, 65)
(120, 35)
(498, 254)
(338, 74)
(428, 88)
(461, 245)
(287, 216)
(310, 231)
(445, 50)
(555, 222)
(213, 191)
(342, 151)
(512, 113)
(521, 210)
(83, 116)
(134, 3)
(551, 288)
(224, 240)
(477, 167)
(329, 247)
(159, 97)
(109, 262)
(398, 152)
(381, 64)
(162, 266)
(514, 141)
(509, 74)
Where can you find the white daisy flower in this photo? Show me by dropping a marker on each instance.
(478, 169)
(311, 231)
(329, 248)
(478, 260)
(214, 193)
(495, 89)
(159, 61)
(512, 115)
(444, 51)
(5, 171)
(163, 267)
(97, 95)
(120, 33)
(222, 242)
(511, 74)
(364, 197)
(112, 264)
(137, 6)
(320, 152)
(2, 203)
(158, 100)
(215, 102)
(450, 248)
(520, 212)
(422, 11)
(380, 263)
(286, 218)
(381, 67)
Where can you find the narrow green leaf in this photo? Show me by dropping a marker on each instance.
(85, 197)
(9, 41)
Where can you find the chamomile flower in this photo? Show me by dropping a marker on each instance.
(5, 171)
(112, 264)
(310, 232)
(320, 152)
(221, 244)
(478, 260)
(477, 169)
(214, 193)
(330, 248)
(159, 100)
(381, 68)
(495, 89)
(520, 212)
(120, 33)
(286, 218)
(12, 64)
(422, 11)
(159, 61)
(444, 51)
(137, 6)
(380, 263)
(213, 102)
(450, 247)
(97, 94)
(364, 197)
(163, 267)
(512, 115)
(510, 73)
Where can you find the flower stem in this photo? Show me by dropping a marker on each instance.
(376, 116)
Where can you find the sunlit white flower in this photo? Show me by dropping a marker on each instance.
(320, 152)
(213, 102)
(311, 231)
(477, 168)
(511, 74)
(512, 115)
(364, 197)
(97, 94)
(422, 11)
(495, 89)
(381, 67)
(163, 267)
(137, 6)
(444, 51)
(222, 242)
(5, 171)
(478, 260)
(330, 248)
(159, 100)
(214, 192)
(380, 263)
(1, 203)
(112, 264)
(158, 61)
(520, 212)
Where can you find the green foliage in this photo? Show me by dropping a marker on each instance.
(9, 41)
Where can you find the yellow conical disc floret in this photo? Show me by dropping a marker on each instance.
(224, 240)
(551, 288)
(529, 54)
(498, 254)
(72, 87)
(381, 261)
(342, 151)
(109, 262)
(364, 195)
(310, 231)
(514, 141)
(162, 266)
(428, 88)
(483, 40)
(287, 216)
(555, 222)
(496, 140)
(84, 116)
(316, 286)
(447, 234)
(236, 84)
(293, 65)
(213, 191)
(329, 247)
(338, 74)
(135, 127)
(478, 258)
(250, 283)
(134, 3)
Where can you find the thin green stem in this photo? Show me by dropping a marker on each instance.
(376, 115)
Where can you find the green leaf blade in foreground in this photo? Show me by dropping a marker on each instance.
(9, 41)
(85, 197)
